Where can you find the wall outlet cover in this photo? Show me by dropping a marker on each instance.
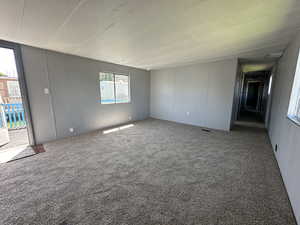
(71, 129)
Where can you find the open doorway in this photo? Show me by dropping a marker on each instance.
(254, 97)
(254, 101)
(15, 135)
(253, 92)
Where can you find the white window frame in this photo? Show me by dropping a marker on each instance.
(294, 105)
(13, 89)
(129, 88)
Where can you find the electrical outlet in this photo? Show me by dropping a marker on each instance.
(46, 91)
(71, 129)
(129, 118)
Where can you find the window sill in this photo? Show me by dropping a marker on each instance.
(119, 103)
(294, 120)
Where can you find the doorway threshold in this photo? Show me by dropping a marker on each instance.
(14, 153)
(250, 124)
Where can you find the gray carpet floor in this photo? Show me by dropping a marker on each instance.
(156, 172)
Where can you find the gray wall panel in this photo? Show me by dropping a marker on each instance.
(200, 94)
(74, 94)
(282, 131)
(36, 73)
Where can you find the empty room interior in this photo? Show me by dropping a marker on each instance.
(150, 112)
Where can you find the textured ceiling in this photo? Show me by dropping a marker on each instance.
(152, 34)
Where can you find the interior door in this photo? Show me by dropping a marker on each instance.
(4, 138)
(252, 95)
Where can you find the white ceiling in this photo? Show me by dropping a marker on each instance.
(152, 34)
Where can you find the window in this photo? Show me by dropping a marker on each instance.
(122, 90)
(13, 89)
(294, 106)
(114, 88)
(107, 88)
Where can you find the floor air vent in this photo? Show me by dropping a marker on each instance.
(205, 130)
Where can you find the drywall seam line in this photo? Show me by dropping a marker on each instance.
(99, 35)
(59, 29)
(206, 95)
(50, 95)
(20, 22)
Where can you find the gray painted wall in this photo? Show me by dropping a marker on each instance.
(200, 94)
(237, 95)
(270, 97)
(74, 98)
(284, 132)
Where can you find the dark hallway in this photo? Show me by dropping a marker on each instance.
(254, 97)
